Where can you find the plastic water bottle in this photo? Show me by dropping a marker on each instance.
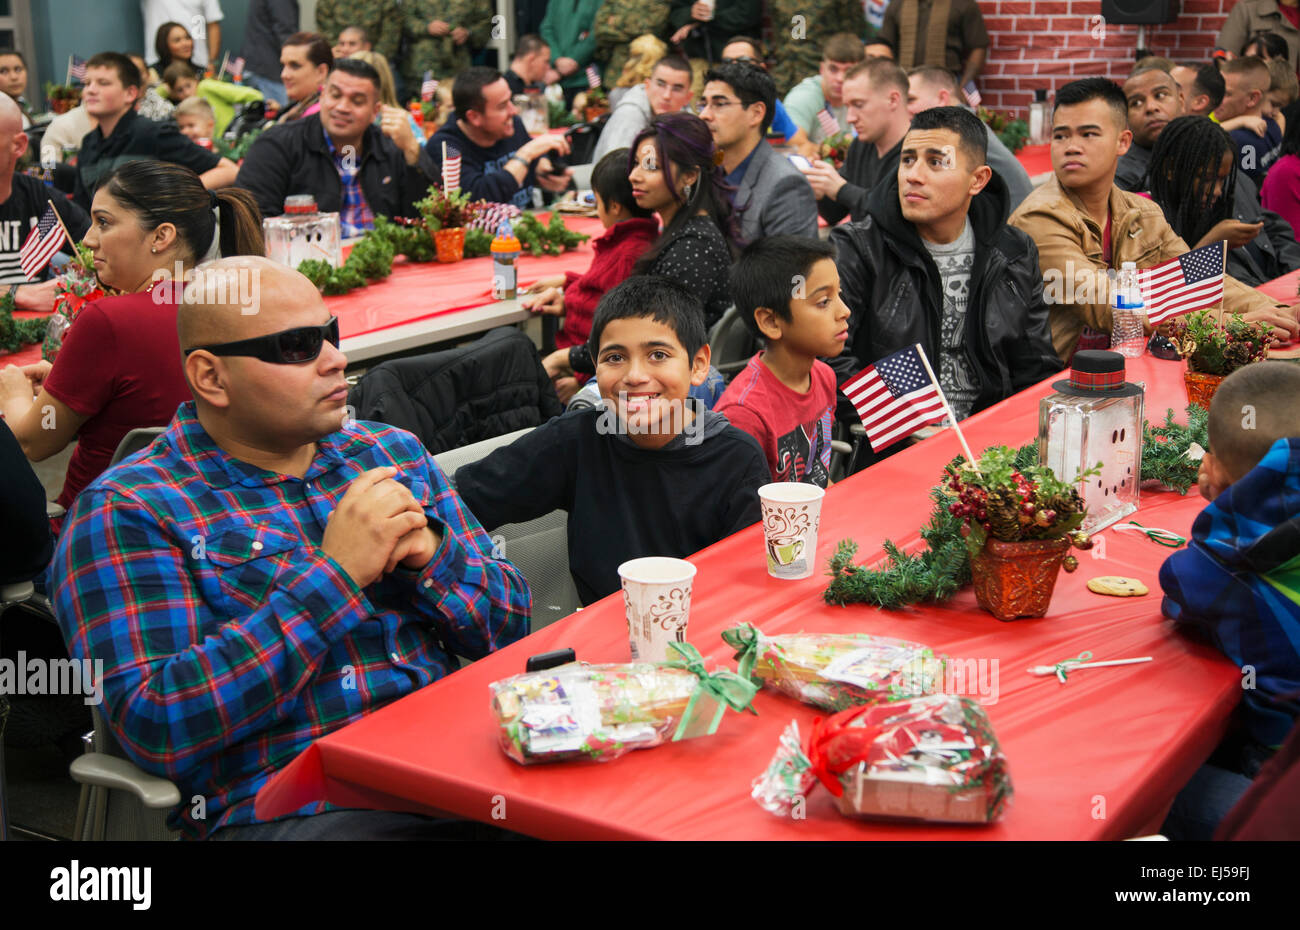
(1127, 335)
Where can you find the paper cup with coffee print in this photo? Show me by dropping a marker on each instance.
(791, 514)
(657, 598)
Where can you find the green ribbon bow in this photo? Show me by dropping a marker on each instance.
(1063, 667)
(1166, 538)
(745, 640)
(725, 687)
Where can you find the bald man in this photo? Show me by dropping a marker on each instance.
(22, 201)
(269, 570)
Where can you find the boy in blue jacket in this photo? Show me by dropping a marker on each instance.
(1237, 583)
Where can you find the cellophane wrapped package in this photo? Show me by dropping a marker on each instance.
(836, 670)
(930, 758)
(601, 712)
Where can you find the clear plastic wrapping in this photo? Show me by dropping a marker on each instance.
(837, 670)
(932, 758)
(601, 712)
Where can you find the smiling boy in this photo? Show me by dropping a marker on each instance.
(649, 473)
(788, 293)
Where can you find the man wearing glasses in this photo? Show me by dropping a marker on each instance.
(772, 194)
(667, 90)
(269, 570)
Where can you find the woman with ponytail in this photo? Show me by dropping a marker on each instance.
(673, 169)
(120, 364)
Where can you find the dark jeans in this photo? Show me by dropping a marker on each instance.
(1203, 803)
(365, 825)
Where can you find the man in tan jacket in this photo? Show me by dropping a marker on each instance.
(1084, 225)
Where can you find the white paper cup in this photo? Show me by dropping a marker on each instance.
(791, 514)
(657, 598)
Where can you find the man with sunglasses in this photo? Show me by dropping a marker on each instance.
(771, 193)
(268, 571)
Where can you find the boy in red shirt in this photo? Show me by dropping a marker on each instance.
(630, 231)
(787, 290)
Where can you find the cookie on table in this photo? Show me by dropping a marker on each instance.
(1115, 586)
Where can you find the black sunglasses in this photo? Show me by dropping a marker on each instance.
(301, 344)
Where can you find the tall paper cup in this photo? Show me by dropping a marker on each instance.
(657, 598)
(791, 514)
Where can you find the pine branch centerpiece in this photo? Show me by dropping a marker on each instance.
(1005, 523)
(1215, 348)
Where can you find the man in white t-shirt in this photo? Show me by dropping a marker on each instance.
(201, 17)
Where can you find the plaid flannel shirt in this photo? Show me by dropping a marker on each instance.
(230, 641)
(354, 213)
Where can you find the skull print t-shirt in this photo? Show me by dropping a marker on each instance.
(957, 376)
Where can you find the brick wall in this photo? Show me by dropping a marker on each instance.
(1047, 43)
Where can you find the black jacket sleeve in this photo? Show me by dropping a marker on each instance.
(265, 172)
(1282, 237)
(526, 479)
(25, 544)
(742, 507)
(1031, 358)
(857, 282)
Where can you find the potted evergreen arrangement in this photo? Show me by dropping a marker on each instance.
(444, 215)
(62, 97)
(1215, 348)
(1020, 523)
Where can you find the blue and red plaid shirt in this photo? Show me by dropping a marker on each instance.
(354, 213)
(230, 641)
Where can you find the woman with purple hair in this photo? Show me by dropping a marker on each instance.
(673, 172)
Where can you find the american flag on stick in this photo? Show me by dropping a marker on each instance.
(593, 77)
(828, 123)
(42, 242)
(1189, 282)
(76, 69)
(972, 95)
(450, 169)
(428, 88)
(896, 396)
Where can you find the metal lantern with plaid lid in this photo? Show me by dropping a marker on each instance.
(1095, 418)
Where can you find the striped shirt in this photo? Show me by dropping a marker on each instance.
(229, 639)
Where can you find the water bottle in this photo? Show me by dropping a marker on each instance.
(1127, 335)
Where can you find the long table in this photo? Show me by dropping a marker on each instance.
(423, 303)
(1099, 757)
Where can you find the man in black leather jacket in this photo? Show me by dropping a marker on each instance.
(934, 263)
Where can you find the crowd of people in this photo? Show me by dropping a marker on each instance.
(265, 543)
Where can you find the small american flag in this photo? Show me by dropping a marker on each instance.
(77, 69)
(1189, 282)
(972, 95)
(235, 69)
(828, 123)
(451, 171)
(895, 397)
(593, 77)
(429, 87)
(42, 242)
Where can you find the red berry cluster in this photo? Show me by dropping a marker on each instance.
(970, 503)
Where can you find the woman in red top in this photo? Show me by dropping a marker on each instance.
(630, 231)
(120, 364)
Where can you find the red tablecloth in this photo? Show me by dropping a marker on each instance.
(1097, 758)
(418, 291)
(1036, 159)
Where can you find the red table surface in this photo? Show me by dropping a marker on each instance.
(417, 291)
(1036, 159)
(1097, 758)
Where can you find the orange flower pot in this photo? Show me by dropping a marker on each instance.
(1201, 387)
(1016, 579)
(595, 112)
(450, 244)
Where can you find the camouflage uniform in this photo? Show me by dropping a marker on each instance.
(618, 22)
(797, 58)
(381, 19)
(441, 54)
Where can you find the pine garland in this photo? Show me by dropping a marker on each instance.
(14, 334)
(1164, 449)
(933, 575)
